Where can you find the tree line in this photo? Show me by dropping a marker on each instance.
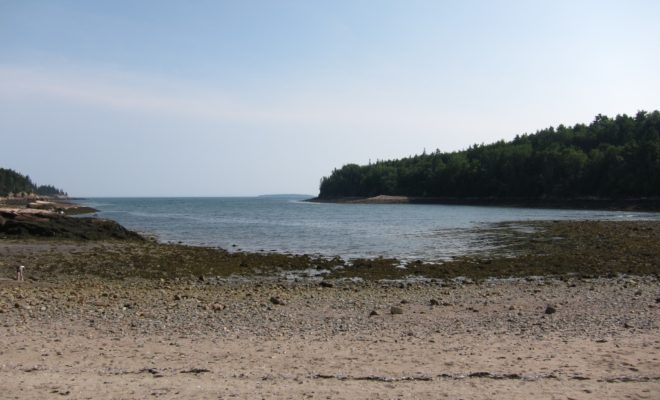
(609, 158)
(14, 182)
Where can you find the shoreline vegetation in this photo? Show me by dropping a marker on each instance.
(610, 163)
(15, 185)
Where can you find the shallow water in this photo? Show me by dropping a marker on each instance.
(287, 224)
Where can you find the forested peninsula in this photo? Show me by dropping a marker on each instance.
(13, 184)
(609, 159)
(28, 210)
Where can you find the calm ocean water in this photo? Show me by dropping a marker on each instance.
(287, 224)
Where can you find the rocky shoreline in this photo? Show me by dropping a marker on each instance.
(567, 309)
(587, 203)
(42, 223)
(58, 205)
(95, 338)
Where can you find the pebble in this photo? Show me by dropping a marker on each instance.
(396, 310)
(277, 301)
(593, 314)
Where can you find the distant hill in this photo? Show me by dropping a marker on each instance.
(609, 158)
(14, 182)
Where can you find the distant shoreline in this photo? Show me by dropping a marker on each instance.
(47, 204)
(627, 204)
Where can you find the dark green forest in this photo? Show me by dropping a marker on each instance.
(14, 182)
(609, 158)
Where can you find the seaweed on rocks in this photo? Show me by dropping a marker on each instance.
(582, 249)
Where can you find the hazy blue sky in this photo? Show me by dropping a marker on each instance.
(154, 98)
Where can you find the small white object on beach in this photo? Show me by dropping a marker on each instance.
(20, 276)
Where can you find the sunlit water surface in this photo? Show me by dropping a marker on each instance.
(287, 224)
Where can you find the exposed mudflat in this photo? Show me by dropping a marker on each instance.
(521, 249)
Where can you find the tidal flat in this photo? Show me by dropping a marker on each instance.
(567, 309)
(518, 249)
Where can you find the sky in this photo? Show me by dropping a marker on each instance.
(241, 98)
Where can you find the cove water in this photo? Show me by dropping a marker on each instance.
(287, 224)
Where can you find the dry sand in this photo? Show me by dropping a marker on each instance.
(136, 339)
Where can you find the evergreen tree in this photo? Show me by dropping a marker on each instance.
(611, 157)
(14, 182)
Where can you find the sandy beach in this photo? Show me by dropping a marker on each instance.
(578, 318)
(137, 339)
